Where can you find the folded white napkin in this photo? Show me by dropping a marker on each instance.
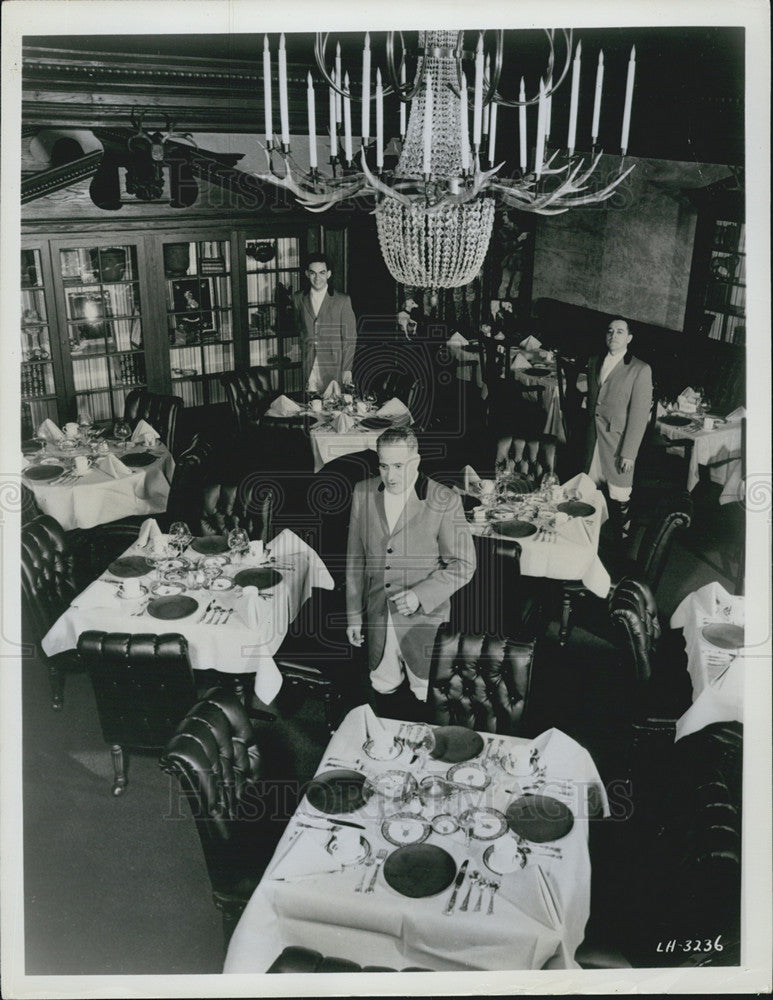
(50, 431)
(282, 406)
(99, 594)
(688, 400)
(737, 414)
(308, 855)
(394, 408)
(457, 340)
(471, 480)
(374, 727)
(333, 389)
(249, 607)
(150, 533)
(531, 344)
(583, 484)
(145, 433)
(661, 411)
(708, 600)
(520, 361)
(316, 574)
(112, 467)
(342, 422)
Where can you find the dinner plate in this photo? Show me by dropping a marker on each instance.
(484, 823)
(171, 608)
(539, 818)
(576, 508)
(470, 775)
(211, 545)
(138, 460)
(724, 635)
(419, 870)
(167, 588)
(538, 372)
(393, 785)
(675, 420)
(256, 577)
(222, 583)
(405, 828)
(30, 447)
(43, 473)
(338, 791)
(375, 423)
(513, 528)
(129, 566)
(455, 743)
(50, 461)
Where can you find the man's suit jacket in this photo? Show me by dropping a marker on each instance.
(430, 551)
(618, 411)
(330, 337)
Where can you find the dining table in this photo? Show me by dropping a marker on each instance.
(338, 433)
(231, 626)
(436, 848)
(139, 485)
(557, 531)
(713, 624)
(718, 447)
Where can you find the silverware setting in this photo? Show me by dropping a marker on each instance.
(367, 864)
(474, 876)
(493, 886)
(140, 610)
(380, 859)
(205, 612)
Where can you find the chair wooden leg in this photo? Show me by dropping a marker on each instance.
(119, 769)
(566, 611)
(56, 680)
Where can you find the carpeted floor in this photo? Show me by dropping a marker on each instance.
(119, 885)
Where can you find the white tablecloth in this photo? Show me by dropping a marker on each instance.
(540, 910)
(723, 442)
(97, 498)
(572, 553)
(328, 444)
(232, 648)
(717, 675)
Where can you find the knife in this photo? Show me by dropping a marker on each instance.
(334, 822)
(457, 884)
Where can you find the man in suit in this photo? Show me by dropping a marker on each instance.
(327, 329)
(619, 404)
(410, 548)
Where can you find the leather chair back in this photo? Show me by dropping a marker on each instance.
(532, 459)
(215, 508)
(190, 473)
(480, 681)
(159, 411)
(249, 394)
(48, 577)
(215, 757)
(635, 618)
(143, 685)
(673, 514)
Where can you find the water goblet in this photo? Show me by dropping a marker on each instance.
(122, 432)
(238, 542)
(179, 536)
(211, 570)
(85, 423)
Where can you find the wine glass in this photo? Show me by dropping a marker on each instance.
(238, 542)
(85, 423)
(179, 536)
(549, 480)
(370, 399)
(122, 432)
(211, 569)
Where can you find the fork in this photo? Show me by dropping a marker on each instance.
(140, 610)
(380, 859)
(466, 902)
(224, 621)
(482, 884)
(366, 865)
(493, 886)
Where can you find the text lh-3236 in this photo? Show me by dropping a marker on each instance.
(696, 944)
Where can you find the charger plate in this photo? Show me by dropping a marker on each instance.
(128, 566)
(513, 528)
(172, 608)
(576, 508)
(138, 460)
(210, 545)
(455, 743)
(43, 473)
(674, 420)
(538, 372)
(375, 423)
(256, 577)
(539, 818)
(338, 791)
(724, 635)
(31, 446)
(419, 870)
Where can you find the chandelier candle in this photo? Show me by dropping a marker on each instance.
(548, 107)
(522, 125)
(283, 115)
(539, 149)
(333, 133)
(477, 111)
(594, 132)
(366, 90)
(486, 75)
(574, 101)
(402, 103)
(311, 109)
(339, 84)
(347, 121)
(628, 102)
(428, 131)
(492, 134)
(465, 126)
(379, 122)
(269, 127)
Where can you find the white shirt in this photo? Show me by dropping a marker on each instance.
(394, 503)
(610, 362)
(317, 298)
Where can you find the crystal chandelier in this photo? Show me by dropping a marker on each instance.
(435, 210)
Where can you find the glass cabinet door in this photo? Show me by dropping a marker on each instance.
(199, 310)
(38, 389)
(273, 274)
(104, 332)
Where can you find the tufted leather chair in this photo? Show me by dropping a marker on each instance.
(480, 681)
(215, 756)
(49, 584)
(249, 393)
(529, 459)
(215, 508)
(29, 506)
(159, 411)
(143, 685)
(297, 959)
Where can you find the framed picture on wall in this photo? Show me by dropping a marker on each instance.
(192, 300)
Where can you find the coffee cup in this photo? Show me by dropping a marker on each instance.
(504, 856)
(316, 405)
(131, 587)
(256, 549)
(71, 430)
(479, 514)
(708, 423)
(81, 464)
